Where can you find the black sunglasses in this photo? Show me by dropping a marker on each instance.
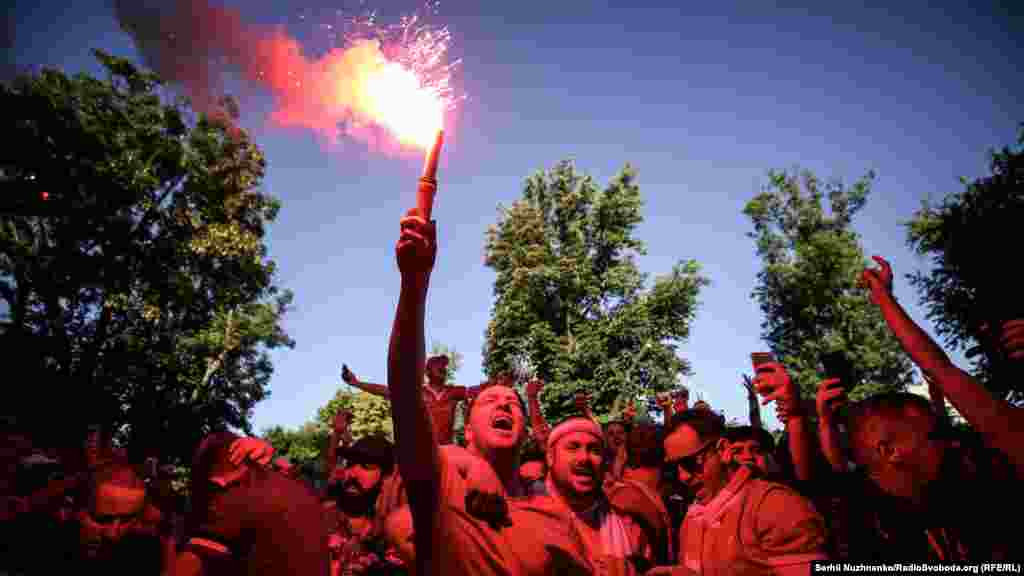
(693, 462)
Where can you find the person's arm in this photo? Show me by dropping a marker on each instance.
(775, 385)
(753, 407)
(829, 397)
(376, 389)
(996, 420)
(537, 422)
(583, 405)
(339, 435)
(415, 446)
(664, 401)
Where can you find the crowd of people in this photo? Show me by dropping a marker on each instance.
(883, 479)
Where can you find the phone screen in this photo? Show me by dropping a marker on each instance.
(759, 358)
(837, 365)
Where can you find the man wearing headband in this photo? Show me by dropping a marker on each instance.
(576, 461)
(441, 398)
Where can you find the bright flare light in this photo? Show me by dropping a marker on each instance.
(396, 99)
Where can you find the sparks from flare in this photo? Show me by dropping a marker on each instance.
(383, 84)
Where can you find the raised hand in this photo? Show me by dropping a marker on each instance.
(830, 396)
(252, 449)
(773, 384)
(878, 280)
(347, 376)
(416, 250)
(582, 401)
(680, 400)
(629, 414)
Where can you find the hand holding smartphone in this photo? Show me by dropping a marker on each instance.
(837, 365)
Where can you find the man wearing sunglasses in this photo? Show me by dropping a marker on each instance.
(738, 523)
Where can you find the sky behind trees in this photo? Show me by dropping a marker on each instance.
(701, 99)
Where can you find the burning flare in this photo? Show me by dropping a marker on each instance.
(393, 79)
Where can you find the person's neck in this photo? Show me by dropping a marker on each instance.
(435, 384)
(358, 507)
(505, 464)
(575, 502)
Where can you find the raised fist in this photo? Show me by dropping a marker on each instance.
(347, 376)
(417, 245)
(877, 280)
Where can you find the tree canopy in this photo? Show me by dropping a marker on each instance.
(133, 265)
(807, 287)
(965, 287)
(571, 306)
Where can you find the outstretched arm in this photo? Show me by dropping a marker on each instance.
(376, 389)
(997, 421)
(416, 448)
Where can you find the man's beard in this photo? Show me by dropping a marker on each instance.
(359, 503)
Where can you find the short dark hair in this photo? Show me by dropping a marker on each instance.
(471, 398)
(744, 433)
(627, 426)
(894, 404)
(117, 473)
(707, 424)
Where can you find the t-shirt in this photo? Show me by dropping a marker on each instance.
(441, 407)
(533, 538)
(751, 527)
(266, 524)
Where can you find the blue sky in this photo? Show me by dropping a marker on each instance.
(702, 98)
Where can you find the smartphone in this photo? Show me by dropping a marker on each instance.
(759, 358)
(837, 365)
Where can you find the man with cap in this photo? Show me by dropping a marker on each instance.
(440, 398)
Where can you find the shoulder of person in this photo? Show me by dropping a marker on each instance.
(629, 499)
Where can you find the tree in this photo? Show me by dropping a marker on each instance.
(571, 306)
(807, 287)
(965, 287)
(132, 258)
(370, 414)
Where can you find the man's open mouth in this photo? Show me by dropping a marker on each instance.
(502, 423)
(585, 472)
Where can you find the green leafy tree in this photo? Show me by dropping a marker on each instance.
(808, 284)
(966, 287)
(370, 414)
(132, 258)
(571, 305)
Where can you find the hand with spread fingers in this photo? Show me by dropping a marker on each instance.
(773, 384)
(830, 396)
(251, 449)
